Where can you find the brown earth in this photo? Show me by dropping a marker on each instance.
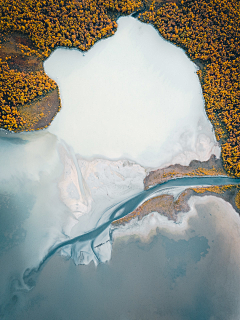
(212, 167)
(40, 113)
(170, 208)
(11, 45)
(23, 56)
(163, 204)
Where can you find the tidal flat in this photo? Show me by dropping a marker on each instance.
(189, 273)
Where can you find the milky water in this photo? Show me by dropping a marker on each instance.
(31, 212)
(34, 219)
(133, 95)
(190, 274)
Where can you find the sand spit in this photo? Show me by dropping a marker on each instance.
(211, 167)
(169, 206)
(149, 225)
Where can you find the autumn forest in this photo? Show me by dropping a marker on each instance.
(208, 30)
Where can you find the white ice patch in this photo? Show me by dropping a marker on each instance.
(108, 183)
(74, 192)
(133, 95)
(34, 217)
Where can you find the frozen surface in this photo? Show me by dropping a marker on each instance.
(134, 96)
(48, 196)
(112, 179)
(33, 217)
(104, 183)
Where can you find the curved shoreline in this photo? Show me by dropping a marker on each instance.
(125, 207)
(173, 29)
(211, 167)
(166, 204)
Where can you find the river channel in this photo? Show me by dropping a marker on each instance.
(101, 232)
(201, 262)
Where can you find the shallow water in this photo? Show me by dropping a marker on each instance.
(46, 203)
(194, 275)
(35, 219)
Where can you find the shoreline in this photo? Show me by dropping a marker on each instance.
(34, 98)
(169, 207)
(211, 167)
(215, 58)
(146, 228)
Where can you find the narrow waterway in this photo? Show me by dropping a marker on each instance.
(101, 231)
(193, 274)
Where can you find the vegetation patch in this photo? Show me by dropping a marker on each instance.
(167, 206)
(207, 29)
(30, 31)
(212, 167)
(209, 32)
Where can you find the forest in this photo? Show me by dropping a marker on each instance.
(208, 30)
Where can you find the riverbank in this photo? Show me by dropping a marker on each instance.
(42, 199)
(185, 271)
(170, 207)
(29, 32)
(151, 113)
(211, 167)
(197, 27)
(213, 47)
(29, 99)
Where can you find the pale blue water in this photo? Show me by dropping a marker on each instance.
(172, 277)
(190, 276)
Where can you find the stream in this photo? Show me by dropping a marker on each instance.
(102, 230)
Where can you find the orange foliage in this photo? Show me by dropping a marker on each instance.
(67, 23)
(214, 189)
(237, 200)
(18, 88)
(209, 32)
(49, 24)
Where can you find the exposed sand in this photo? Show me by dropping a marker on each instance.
(226, 219)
